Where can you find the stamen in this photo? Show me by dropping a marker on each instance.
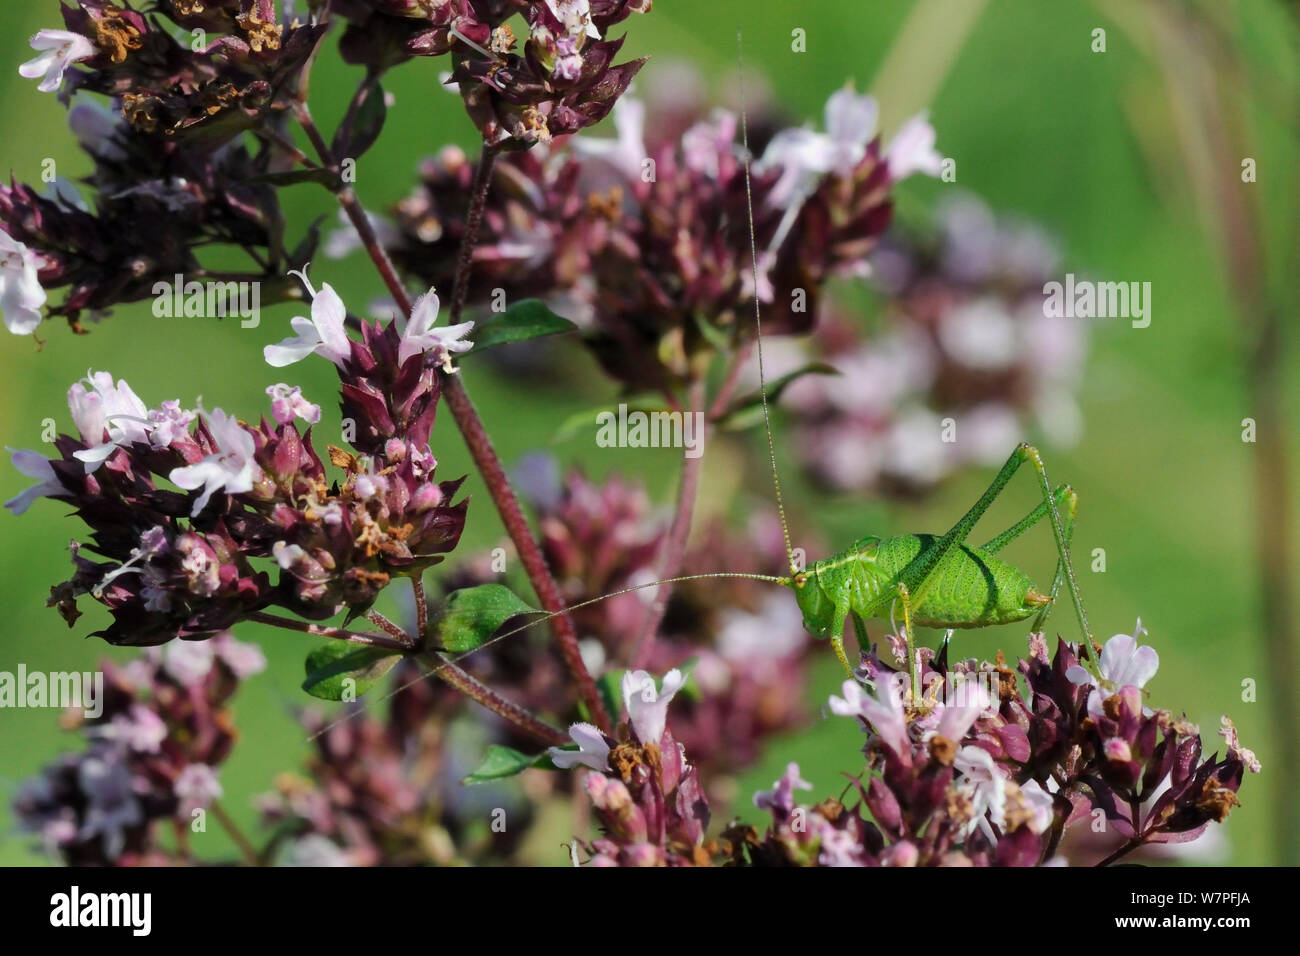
(302, 274)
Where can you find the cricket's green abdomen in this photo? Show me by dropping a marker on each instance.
(968, 589)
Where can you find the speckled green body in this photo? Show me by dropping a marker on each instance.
(968, 587)
(938, 581)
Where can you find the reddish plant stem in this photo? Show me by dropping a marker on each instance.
(421, 609)
(370, 241)
(404, 643)
(1123, 851)
(303, 112)
(530, 553)
(467, 418)
(384, 624)
(723, 398)
(673, 551)
(290, 150)
(494, 702)
(460, 679)
(473, 220)
(338, 633)
(494, 475)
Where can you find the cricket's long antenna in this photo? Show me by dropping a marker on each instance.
(628, 590)
(758, 312)
(546, 617)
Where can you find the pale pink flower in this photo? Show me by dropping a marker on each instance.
(1039, 803)
(576, 17)
(141, 730)
(188, 662)
(419, 335)
(912, 150)
(323, 333)
(781, 796)
(952, 720)
(1124, 663)
(287, 403)
(98, 406)
(243, 659)
(804, 155)
(230, 468)
(169, 423)
(196, 787)
(58, 50)
(21, 294)
(984, 784)
(883, 713)
(34, 465)
(593, 749)
(111, 804)
(647, 708)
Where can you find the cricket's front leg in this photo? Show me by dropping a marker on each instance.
(837, 638)
(913, 652)
(1067, 506)
(860, 629)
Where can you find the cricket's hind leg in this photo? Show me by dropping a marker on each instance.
(904, 596)
(1067, 519)
(1064, 568)
(1066, 501)
(1063, 497)
(919, 575)
(860, 629)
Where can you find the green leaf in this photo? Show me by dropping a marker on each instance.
(362, 125)
(528, 319)
(339, 670)
(502, 762)
(716, 336)
(472, 615)
(610, 686)
(214, 131)
(738, 414)
(579, 421)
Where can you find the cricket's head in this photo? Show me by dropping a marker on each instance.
(818, 612)
(796, 581)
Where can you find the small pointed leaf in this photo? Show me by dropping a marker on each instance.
(472, 615)
(339, 670)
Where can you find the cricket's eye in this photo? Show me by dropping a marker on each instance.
(800, 579)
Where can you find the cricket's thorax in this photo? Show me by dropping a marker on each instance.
(967, 589)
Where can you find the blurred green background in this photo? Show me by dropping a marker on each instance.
(1040, 125)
